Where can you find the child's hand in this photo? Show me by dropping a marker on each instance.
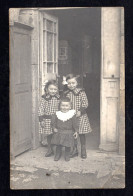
(78, 114)
(42, 124)
(55, 130)
(75, 135)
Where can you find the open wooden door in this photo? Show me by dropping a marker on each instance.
(110, 78)
(48, 48)
(20, 89)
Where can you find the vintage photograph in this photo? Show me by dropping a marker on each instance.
(67, 98)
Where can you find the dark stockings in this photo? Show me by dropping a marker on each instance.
(58, 152)
(50, 151)
(83, 145)
(67, 153)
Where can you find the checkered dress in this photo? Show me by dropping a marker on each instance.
(80, 103)
(48, 106)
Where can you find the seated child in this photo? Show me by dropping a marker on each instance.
(65, 127)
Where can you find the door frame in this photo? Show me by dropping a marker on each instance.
(112, 129)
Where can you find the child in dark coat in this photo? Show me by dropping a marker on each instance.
(65, 127)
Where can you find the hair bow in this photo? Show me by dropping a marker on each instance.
(64, 82)
(45, 82)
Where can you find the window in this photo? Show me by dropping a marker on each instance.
(48, 46)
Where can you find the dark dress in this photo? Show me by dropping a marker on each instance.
(66, 129)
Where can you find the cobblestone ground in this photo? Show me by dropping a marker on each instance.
(32, 170)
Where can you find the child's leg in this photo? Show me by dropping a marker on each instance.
(44, 140)
(83, 145)
(58, 153)
(50, 151)
(74, 152)
(67, 153)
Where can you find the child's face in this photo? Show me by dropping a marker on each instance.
(72, 83)
(52, 89)
(65, 106)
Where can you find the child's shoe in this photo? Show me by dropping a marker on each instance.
(58, 153)
(49, 153)
(74, 153)
(67, 158)
(83, 152)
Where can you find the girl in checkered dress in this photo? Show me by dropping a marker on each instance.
(79, 103)
(48, 106)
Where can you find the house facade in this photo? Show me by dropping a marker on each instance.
(50, 43)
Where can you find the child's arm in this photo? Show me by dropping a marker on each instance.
(53, 123)
(41, 109)
(75, 135)
(75, 126)
(84, 103)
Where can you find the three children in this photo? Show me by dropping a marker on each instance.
(65, 119)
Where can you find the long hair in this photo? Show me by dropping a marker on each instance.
(50, 82)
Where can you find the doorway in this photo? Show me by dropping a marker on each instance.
(79, 52)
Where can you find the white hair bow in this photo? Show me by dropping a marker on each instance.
(45, 82)
(64, 82)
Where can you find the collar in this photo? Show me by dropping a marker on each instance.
(65, 116)
(48, 97)
(76, 91)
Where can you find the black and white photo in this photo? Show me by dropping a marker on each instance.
(67, 98)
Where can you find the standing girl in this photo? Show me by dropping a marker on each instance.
(65, 127)
(79, 103)
(48, 106)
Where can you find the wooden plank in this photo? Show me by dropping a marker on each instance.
(21, 128)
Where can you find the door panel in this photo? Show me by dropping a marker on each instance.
(21, 91)
(110, 78)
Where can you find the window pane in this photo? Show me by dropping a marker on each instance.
(44, 68)
(55, 67)
(44, 47)
(44, 22)
(54, 27)
(49, 25)
(49, 67)
(55, 48)
(49, 47)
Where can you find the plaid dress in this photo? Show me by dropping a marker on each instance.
(80, 103)
(48, 107)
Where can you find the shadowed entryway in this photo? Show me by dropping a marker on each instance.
(80, 34)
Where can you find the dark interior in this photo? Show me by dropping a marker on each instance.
(74, 25)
